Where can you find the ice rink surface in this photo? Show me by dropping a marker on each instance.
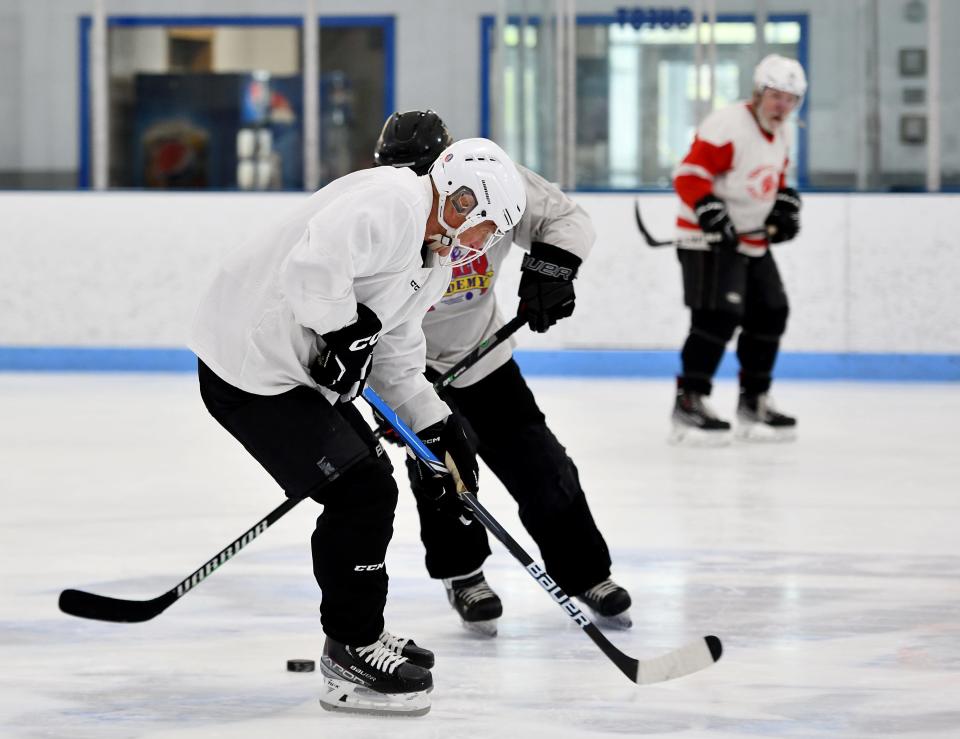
(829, 567)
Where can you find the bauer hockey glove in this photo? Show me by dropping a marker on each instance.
(785, 216)
(715, 222)
(347, 355)
(546, 286)
(448, 441)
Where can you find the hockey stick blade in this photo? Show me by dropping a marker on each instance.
(691, 658)
(119, 610)
(765, 231)
(646, 234)
(103, 608)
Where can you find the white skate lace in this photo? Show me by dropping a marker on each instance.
(601, 591)
(472, 593)
(379, 657)
(393, 643)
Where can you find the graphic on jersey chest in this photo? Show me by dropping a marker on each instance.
(469, 281)
(762, 182)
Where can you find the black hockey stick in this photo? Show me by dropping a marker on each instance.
(695, 656)
(103, 608)
(487, 345)
(674, 242)
(482, 349)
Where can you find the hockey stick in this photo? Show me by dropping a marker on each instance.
(674, 242)
(103, 608)
(692, 657)
(482, 349)
(487, 345)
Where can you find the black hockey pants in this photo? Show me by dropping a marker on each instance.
(724, 290)
(329, 454)
(510, 434)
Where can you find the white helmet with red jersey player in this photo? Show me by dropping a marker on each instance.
(780, 73)
(482, 184)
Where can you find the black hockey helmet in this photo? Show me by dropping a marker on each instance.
(413, 139)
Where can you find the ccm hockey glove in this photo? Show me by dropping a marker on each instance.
(785, 216)
(546, 285)
(448, 441)
(345, 360)
(715, 222)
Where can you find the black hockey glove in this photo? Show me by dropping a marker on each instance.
(345, 360)
(546, 285)
(448, 441)
(715, 222)
(785, 216)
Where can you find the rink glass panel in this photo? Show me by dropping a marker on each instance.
(220, 106)
(636, 104)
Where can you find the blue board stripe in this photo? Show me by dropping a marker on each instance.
(566, 363)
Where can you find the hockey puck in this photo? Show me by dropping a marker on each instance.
(301, 665)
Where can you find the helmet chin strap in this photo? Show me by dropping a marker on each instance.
(443, 239)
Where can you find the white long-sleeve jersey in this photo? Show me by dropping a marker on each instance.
(468, 312)
(743, 165)
(357, 240)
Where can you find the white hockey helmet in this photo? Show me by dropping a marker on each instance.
(780, 73)
(483, 184)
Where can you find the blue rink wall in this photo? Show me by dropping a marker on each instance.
(559, 363)
(110, 282)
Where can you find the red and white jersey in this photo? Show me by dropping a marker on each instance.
(740, 163)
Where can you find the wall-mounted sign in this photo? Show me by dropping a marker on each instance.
(655, 17)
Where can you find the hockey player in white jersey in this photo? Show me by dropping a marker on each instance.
(296, 321)
(500, 413)
(732, 185)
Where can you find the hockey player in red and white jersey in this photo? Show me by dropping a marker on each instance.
(499, 411)
(295, 322)
(734, 202)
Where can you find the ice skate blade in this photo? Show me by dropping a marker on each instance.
(683, 435)
(619, 622)
(482, 628)
(759, 433)
(345, 697)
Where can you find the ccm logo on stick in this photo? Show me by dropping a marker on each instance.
(368, 568)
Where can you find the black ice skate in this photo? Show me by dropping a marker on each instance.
(372, 679)
(758, 420)
(609, 603)
(695, 422)
(407, 648)
(479, 607)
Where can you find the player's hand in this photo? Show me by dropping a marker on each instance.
(546, 286)
(783, 223)
(715, 222)
(346, 357)
(448, 441)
